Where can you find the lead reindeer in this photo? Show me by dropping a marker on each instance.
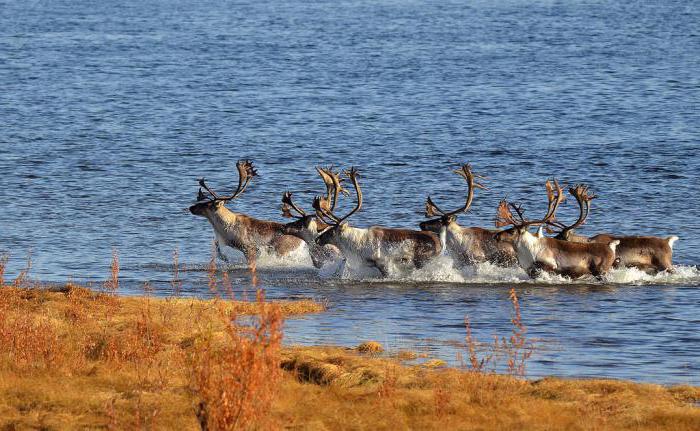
(376, 246)
(247, 234)
(467, 245)
(308, 226)
(649, 253)
(537, 253)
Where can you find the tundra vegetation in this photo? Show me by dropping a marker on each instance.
(79, 358)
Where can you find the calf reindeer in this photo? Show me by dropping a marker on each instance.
(468, 245)
(649, 253)
(308, 226)
(376, 246)
(247, 234)
(537, 253)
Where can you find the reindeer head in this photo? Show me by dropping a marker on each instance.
(208, 200)
(308, 226)
(446, 218)
(505, 216)
(336, 225)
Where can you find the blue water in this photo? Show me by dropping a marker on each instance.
(110, 111)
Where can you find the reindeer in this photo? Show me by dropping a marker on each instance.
(537, 253)
(649, 253)
(308, 226)
(468, 245)
(242, 232)
(376, 246)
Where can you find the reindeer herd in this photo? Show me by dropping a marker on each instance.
(328, 235)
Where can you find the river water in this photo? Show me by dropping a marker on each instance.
(110, 111)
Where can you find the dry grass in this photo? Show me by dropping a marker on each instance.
(333, 388)
(72, 358)
(112, 285)
(517, 349)
(370, 347)
(158, 363)
(238, 380)
(22, 277)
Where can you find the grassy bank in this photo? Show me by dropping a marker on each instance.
(72, 358)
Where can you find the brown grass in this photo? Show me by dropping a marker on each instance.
(23, 276)
(370, 347)
(238, 379)
(72, 358)
(339, 389)
(112, 284)
(516, 348)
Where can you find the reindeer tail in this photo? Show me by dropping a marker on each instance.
(613, 245)
(671, 240)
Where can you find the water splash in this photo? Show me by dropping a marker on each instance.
(682, 275)
(441, 269)
(298, 258)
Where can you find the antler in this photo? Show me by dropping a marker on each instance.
(465, 171)
(201, 196)
(432, 210)
(288, 205)
(333, 183)
(555, 196)
(322, 207)
(246, 172)
(352, 174)
(504, 215)
(584, 198)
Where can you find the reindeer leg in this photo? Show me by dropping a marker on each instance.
(383, 269)
(316, 258)
(661, 264)
(537, 268)
(220, 253)
(461, 260)
(320, 254)
(469, 260)
(250, 254)
(419, 261)
(597, 274)
(534, 271)
(381, 266)
(285, 244)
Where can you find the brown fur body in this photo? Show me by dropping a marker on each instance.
(471, 245)
(245, 233)
(425, 245)
(577, 259)
(572, 259)
(648, 253)
(380, 246)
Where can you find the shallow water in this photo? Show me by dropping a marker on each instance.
(111, 111)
